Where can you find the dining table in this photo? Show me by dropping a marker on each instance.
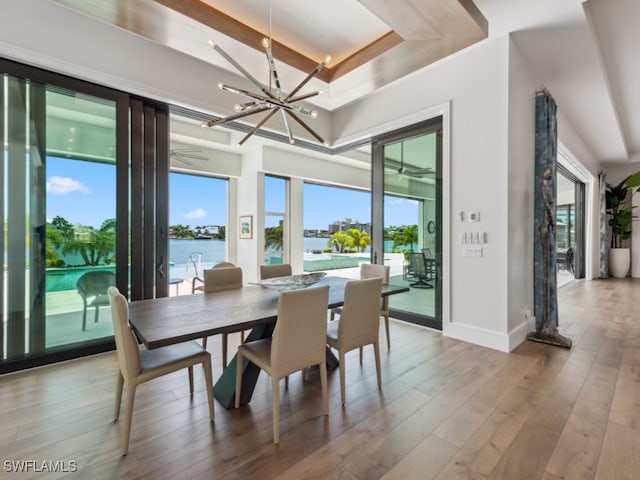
(165, 321)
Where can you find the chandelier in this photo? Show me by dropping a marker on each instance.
(271, 98)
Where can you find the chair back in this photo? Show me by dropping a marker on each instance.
(371, 270)
(95, 283)
(223, 265)
(360, 318)
(273, 271)
(427, 252)
(127, 350)
(195, 260)
(417, 264)
(223, 278)
(299, 339)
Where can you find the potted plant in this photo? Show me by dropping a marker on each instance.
(620, 211)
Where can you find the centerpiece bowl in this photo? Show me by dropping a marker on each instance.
(292, 282)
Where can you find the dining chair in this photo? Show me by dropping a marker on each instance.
(92, 287)
(419, 271)
(195, 260)
(358, 325)
(298, 342)
(218, 279)
(371, 270)
(273, 271)
(138, 366)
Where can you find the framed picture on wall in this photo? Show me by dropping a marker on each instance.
(246, 226)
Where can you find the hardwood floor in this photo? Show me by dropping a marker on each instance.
(447, 410)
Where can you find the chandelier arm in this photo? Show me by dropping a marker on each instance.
(272, 101)
(258, 125)
(303, 97)
(311, 75)
(239, 67)
(285, 118)
(274, 72)
(307, 127)
(235, 116)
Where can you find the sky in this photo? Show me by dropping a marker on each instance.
(84, 193)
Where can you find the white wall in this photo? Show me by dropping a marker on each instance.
(475, 82)
(523, 84)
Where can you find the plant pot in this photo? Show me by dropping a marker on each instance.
(619, 262)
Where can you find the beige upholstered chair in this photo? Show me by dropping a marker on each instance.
(298, 342)
(139, 366)
(359, 323)
(370, 270)
(272, 271)
(218, 279)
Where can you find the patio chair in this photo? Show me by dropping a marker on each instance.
(138, 366)
(197, 282)
(418, 269)
(92, 287)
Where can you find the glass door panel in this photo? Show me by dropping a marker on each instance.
(406, 208)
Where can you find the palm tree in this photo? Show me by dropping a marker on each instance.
(98, 247)
(340, 241)
(273, 238)
(360, 238)
(409, 236)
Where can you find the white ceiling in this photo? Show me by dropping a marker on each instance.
(582, 52)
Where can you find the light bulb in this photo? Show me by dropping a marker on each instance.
(327, 59)
(211, 44)
(320, 92)
(314, 114)
(203, 124)
(221, 85)
(266, 43)
(237, 107)
(292, 141)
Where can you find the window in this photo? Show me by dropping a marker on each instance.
(276, 235)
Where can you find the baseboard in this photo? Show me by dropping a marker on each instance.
(490, 338)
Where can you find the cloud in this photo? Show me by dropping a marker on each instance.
(63, 185)
(197, 213)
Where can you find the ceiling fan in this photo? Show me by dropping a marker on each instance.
(185, 155)
(418, 172)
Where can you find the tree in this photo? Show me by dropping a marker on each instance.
(408, 236)
(340, 241)
(360, 238)
(63, 226)
(99, 245)
(55, 239)
(273, 238)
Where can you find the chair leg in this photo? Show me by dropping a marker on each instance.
(325, 390)
(191, 379)
(119, 385)
(84, 318)
(275, 387)
(204, 342)
(239, 362)
(386, 327)
(360, 356)
(130, 393)
(208, 374)
(342, 374)
(224, 349)
(242, 336)
(376, 351)
(97, 313)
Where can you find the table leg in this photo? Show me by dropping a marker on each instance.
(225, 388)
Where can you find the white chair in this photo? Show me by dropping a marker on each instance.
(138, 366)
(358, 325)
(370, 270)
(273, 271)
(218, 279)
(298, 342)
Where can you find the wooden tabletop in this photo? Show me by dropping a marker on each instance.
(164, 321)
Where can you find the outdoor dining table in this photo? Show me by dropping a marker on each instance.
(168, 320)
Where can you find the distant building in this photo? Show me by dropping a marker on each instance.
(346, 224)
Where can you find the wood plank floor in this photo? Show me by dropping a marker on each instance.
(447, 410)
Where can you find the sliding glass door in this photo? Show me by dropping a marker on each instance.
(406, 206)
